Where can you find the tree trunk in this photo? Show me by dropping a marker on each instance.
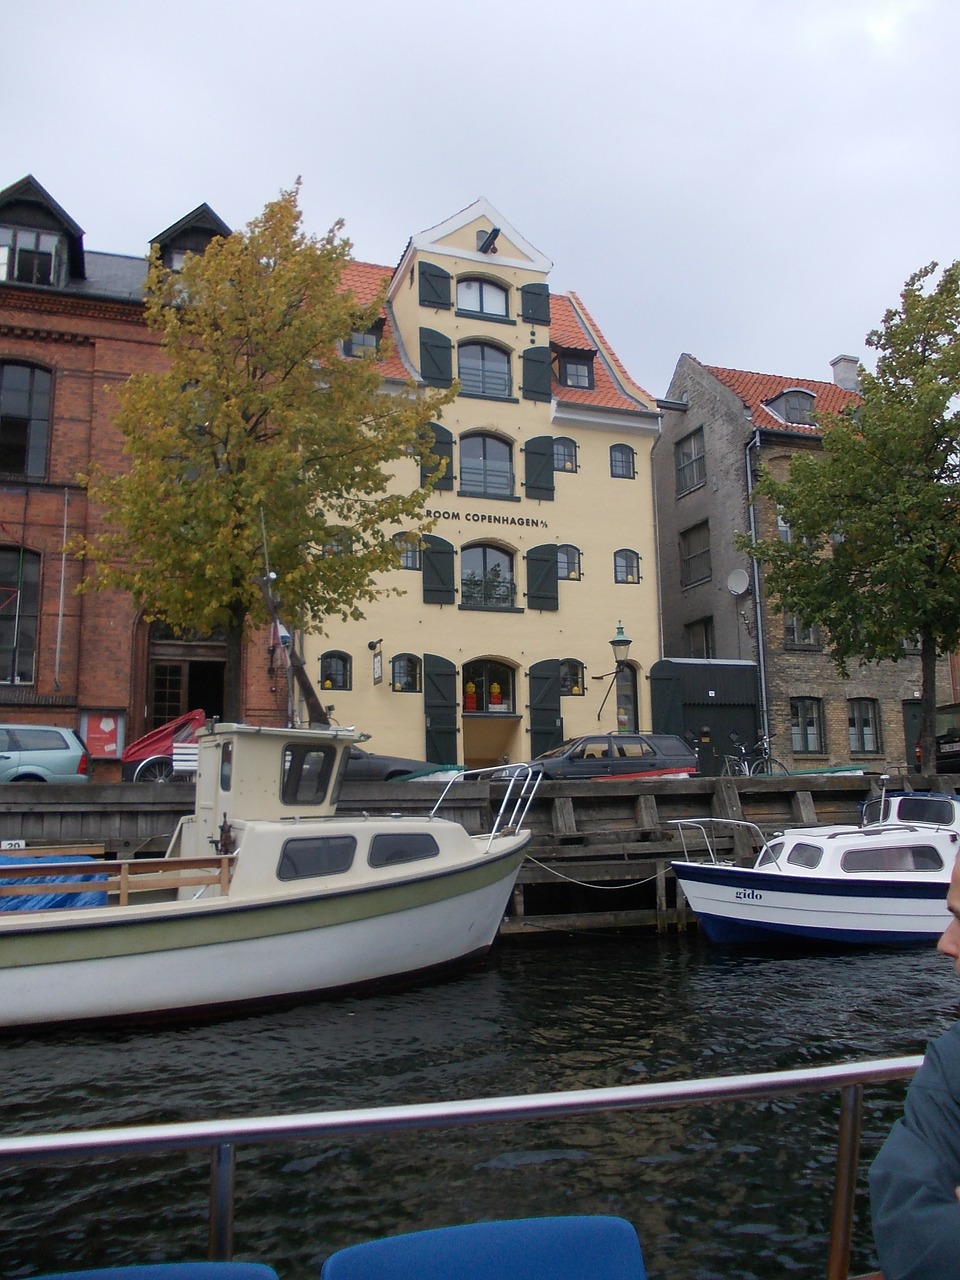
(233, 708)
(928, 705)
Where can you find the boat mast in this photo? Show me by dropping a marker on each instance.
(315, 710)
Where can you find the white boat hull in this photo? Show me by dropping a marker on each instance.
(152, 962)
(739, 904)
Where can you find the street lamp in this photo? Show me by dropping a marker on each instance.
(620, 644)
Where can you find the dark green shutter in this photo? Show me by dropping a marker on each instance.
(436, 358)
(438, 571)
(434, 286)
(535, 303)
(537, 373)
(442, 449)
(440, 709)
(542, 592)
(546, 723)
(538, 468)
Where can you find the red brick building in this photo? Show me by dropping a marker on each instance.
(71, 332)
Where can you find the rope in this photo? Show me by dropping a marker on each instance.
(585, 884)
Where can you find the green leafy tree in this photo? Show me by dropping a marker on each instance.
(874, 555)
(260, 444)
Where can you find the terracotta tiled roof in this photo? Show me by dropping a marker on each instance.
(613, 387)
(757, 390)
(571, 328)
(364, 280)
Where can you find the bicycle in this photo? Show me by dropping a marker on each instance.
(752, 762)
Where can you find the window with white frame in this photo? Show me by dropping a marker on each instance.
(806, 726)
(863, 719)
(481, 297)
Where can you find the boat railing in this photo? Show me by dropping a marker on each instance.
(522, 785)
(221, 1138)
(118, 879)
(709, 829)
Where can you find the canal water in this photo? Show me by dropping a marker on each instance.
(732, 1191)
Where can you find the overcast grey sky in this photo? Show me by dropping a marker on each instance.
(750, 181)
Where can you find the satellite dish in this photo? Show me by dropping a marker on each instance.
(738, 583)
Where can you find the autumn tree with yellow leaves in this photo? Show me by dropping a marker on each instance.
(260, 445)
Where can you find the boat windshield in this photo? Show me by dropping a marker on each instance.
(306, 773)
(770, 853)
(920, 857)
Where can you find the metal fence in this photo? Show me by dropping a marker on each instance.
(222, 1137)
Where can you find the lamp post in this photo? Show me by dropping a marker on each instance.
(620, 644)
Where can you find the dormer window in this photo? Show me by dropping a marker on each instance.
(481, 297)
(363, 344)
(577, 371)
(795, 406)
(177, 258)
(31, 257)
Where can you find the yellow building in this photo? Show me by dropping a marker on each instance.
(543, 540)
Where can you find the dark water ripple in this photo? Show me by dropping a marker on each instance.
(738, 1191)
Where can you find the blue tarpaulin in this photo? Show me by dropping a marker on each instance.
(49, 899)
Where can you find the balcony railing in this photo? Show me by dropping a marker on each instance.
(488, 593)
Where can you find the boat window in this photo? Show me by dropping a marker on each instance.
(770, 853)
(226, 766)
(387, 849)
(805, 855)
(306, 773)
(925, 809)
(908, 858)
(316, 856)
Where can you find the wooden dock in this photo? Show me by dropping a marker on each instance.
(600, 854)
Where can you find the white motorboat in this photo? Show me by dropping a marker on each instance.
(264, 895)
(881, 883)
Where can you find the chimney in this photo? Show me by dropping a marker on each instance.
(846, 372)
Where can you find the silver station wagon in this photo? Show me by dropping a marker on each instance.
(42, 753)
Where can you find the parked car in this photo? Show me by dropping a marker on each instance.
(616, 755)
(369, 766)
(42, 753)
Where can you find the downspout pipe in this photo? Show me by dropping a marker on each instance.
(753, 446)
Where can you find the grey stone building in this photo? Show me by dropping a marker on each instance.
(719, 427)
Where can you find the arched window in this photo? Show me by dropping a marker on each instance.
(19, 608)
(568, 562)
(623, 462)
(571, 678)
(486, 467)
(486, 578)
(408, 547)
(564, 454)
(336, 670)
(406, 673)
(482, 297)
(484, 370)
(626, 566)
(24, 419)
(487, 688)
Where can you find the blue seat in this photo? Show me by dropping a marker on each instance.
(568, 1248)
(172, 1271)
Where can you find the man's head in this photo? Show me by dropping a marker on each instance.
(949, 944)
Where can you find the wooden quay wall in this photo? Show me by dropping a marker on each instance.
(599, 857)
